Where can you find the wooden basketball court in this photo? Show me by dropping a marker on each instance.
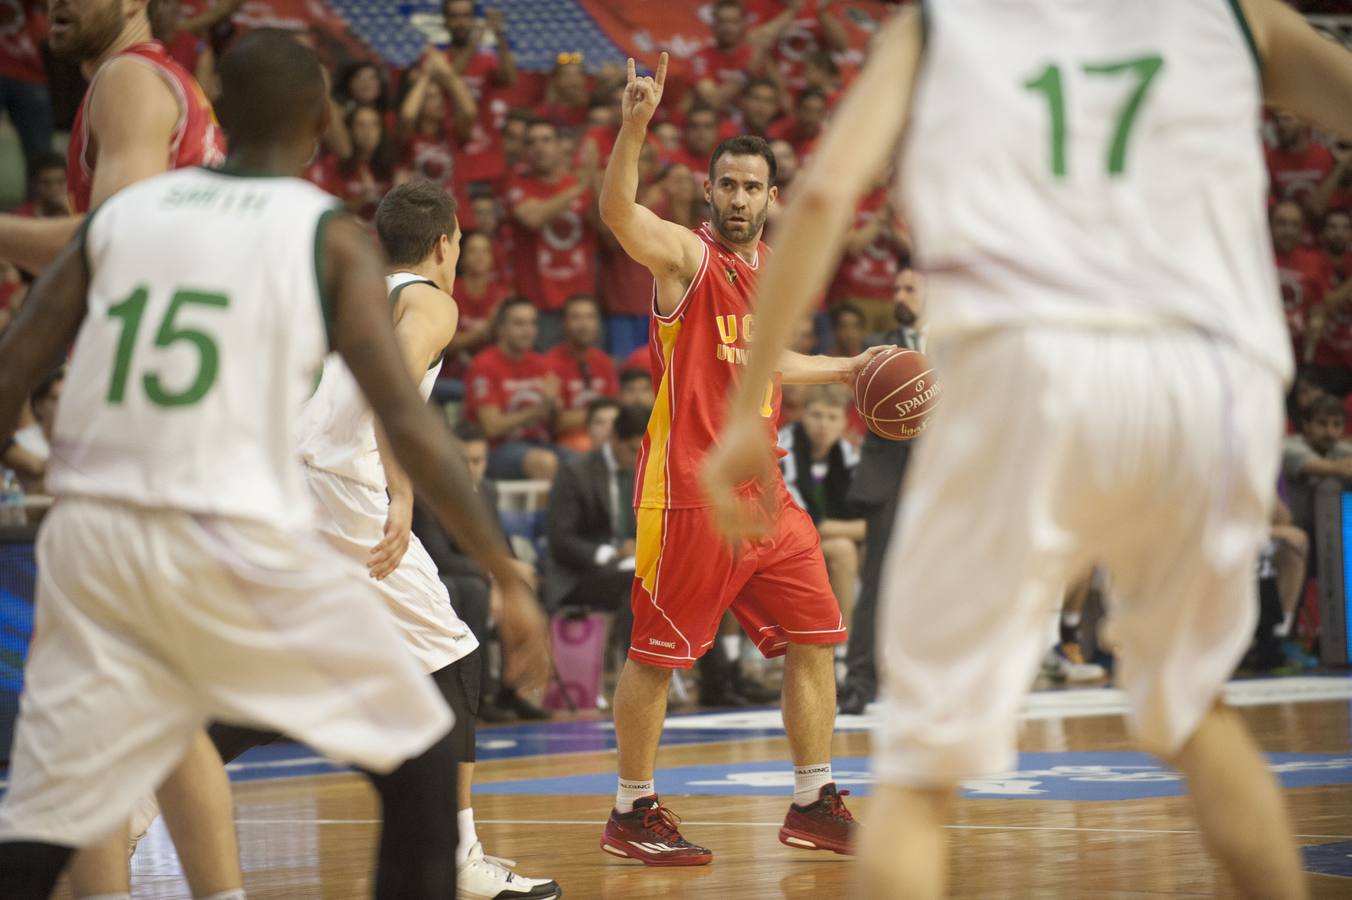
(1084, 816)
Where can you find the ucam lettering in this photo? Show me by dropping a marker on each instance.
(735, 355)
(727, 327)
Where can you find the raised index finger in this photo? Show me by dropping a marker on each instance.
(662, 69)
(632, 73)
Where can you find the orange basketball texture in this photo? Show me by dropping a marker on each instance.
(896, 392)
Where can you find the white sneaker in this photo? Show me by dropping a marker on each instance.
(1058, 668)
(489, 878)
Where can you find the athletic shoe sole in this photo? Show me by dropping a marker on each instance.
(625, 853)
(801, 840)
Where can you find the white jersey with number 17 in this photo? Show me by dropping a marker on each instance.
(1092, 163)
(203, 335)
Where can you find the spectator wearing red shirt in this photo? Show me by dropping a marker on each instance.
(479, 292)
(363, 179)
(1335, 191)
(23, 77)
(1332, 358)
(1297, 165)
(485, 70)
(428, 123)
(720, 70)
(757, 107)
(699, 137)
(567, 98)
(47, 189)
(554, 215)
(585, 371)
(1303, 273)
(514, 141)
(809, 26)
(487, 219)
(512, 394)
(805, 125)
(869, 262)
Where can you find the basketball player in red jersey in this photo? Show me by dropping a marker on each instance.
(686, 576)
(142, 115)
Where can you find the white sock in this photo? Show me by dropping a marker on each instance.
(464, 820)
(1283, 628)
(629, 791)
(732, 645)
(236, 894)
(808, 782)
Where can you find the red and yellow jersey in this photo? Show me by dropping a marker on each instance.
(697, 352)
(197, 138)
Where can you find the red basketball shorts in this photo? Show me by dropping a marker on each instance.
(687, 576)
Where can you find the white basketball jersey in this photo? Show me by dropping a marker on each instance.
(203, 334)
(337, 427)
(1092, 163)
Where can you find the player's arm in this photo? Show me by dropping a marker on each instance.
(498, 423)
(133, 144)
(833, 30)
(797, 368)
(37, 340)
(363, 336)
(667, 250)
(862, 134)
(424, 324)
(1303, 72)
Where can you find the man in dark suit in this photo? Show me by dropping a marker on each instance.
(591, 526)
(876, 491)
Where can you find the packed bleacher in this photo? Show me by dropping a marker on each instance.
(551, 361)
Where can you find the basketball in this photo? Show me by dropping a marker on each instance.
(896, 392)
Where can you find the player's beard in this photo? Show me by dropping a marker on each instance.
(740, 232)
(88, 39)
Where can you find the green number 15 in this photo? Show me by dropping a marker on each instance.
(1048, 82)
(130, 311)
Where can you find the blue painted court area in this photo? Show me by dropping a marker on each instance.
(1040, 776)
(1329, 859)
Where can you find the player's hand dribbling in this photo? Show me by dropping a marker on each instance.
(742, 455)
(525, 639)
(642, 94)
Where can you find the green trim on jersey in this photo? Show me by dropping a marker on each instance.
(394, 297)
(236, 172)
(1248, 36)
(325, 301)
(924, 24)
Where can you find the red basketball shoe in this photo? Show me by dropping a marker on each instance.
(823, 825)
(648, 834)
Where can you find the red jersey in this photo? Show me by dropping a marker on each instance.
(196, 141)
(559, 260)
(872, 272)
(696, 353)
(496, 379)
(578, 388)
(722, 66)
(1303, 275)
(476, 308)
(23, 28)
(1294, 175)
(787, 130)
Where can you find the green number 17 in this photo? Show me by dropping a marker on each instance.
(1048, 82)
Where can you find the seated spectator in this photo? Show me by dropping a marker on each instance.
(720, 70)
(1297, 165)
(486, 215)
(818, 467)
(479, 292)
(511, 393)
(363, 83)
(848, 330)
(803, 128)
(869, 263)
(480, 49)
(757, 108)
(636, 386)
(601, 415)
(1306, 390)
(820, 72)
(584, 371)
(1318, 452)
(1331, 322)
(47, 197)
(804, 28)
(1302, 272)
(437, 109)
(591, 525)
(474, 596)
(514, 141)
(699, 137)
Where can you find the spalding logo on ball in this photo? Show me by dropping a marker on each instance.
(896, 392)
